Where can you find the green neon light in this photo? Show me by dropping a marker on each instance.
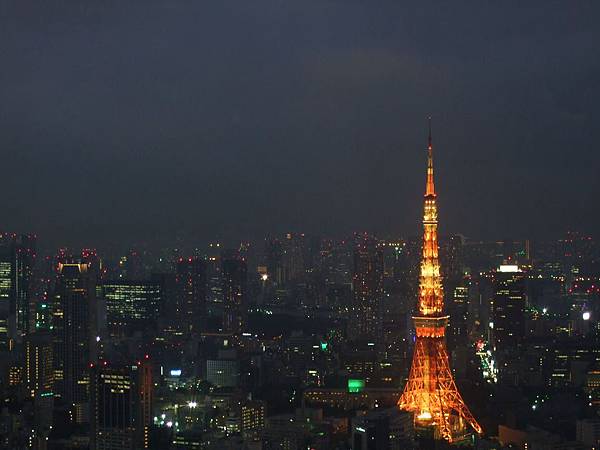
(355, 385)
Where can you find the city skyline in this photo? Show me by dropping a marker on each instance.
(214, 234)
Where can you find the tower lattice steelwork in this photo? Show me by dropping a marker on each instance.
(431, 393)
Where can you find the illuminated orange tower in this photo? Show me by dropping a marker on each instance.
(430, 392)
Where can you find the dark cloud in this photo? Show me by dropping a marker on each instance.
(125, 121)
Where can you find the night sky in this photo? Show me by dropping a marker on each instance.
(131, 121)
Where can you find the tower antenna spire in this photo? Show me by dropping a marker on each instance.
(430, 146)
(430, 187)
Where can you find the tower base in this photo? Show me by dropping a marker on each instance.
(430, 392)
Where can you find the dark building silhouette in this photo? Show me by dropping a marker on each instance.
(17, 259)
(131, 267)
(39, 368)
(74, 331)
(191, 294)
(167, 310)
(234, 293)
(121, 406)
(508, 308)
(6, 297)
(383, 429)
(367, 289)
(39, 378)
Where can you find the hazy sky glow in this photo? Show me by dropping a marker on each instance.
(131, 121)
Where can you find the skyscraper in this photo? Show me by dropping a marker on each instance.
(121, 406)
(458, 311)
(286, 264)
(508, 308)
(168, 313)
(131, 306)
(214, 280)
(234, 293)
(39, 377)
(430, 392)
(25, 254)
(17, 259)
(367, 289)
(39, 369)
(293, 257)
(6, 294)
(191, 294)
(74, 322)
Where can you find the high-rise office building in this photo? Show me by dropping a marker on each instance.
(286, 261)
(6, 294)
(234, 293)
(367, 289)
(252, 415)
(39, 368)
(458, 311)
(131, 266)
(293, 258)
(74, 329)
(214, 279)
(121, 399)
(168, 313)
(131, 306)
(398, 299)
(273, 260)
(17, 259)
(451, 253)
(39, 377)
(25, 249)
(508, 308)
(191, 294)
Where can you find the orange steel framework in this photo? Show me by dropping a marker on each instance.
(430, 392)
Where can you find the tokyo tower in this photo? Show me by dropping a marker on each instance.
(431, 393)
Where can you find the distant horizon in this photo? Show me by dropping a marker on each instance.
(190, 244)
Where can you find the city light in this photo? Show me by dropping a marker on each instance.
(509, 268)
(355, 386)
(349, 336)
